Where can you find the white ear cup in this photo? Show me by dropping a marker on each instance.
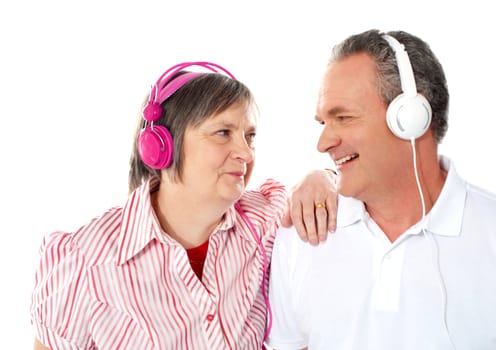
(409, 116)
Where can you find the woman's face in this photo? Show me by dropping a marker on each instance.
(219, 155)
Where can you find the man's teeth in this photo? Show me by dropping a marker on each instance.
(345, 159)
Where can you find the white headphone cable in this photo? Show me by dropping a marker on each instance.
(433, 245)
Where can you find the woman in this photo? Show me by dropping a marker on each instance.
(183, 264)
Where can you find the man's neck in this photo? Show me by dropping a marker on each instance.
(397, 210)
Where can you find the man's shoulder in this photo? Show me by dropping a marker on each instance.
(287, 235)
(482, 201)
(481, 193)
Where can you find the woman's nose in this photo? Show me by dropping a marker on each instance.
(244, 150)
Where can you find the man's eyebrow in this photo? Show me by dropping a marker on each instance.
(331, 112)
(336, 110)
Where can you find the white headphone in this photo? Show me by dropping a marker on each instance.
(409, 114)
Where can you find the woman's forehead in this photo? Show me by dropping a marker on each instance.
(235, 114)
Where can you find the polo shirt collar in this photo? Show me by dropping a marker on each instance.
(350, 211)
(446, 216)
(140, 225)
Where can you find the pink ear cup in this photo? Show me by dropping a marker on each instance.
(155, 143)
(155, 147)
(152, 111)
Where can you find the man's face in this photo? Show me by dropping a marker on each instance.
(369, 158)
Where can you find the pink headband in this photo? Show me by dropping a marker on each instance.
(162, 90)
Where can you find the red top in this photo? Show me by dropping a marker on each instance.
(197, 257)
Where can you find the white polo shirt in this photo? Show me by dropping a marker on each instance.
(360, 291)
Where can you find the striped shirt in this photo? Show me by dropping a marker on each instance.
(121, 283)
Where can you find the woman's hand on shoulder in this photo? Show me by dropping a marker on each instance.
(312, 206)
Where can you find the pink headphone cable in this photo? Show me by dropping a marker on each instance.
(265, 267)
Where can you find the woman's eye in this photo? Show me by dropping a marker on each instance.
(224, 132)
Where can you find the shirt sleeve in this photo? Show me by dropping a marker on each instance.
(60, 299)
(286, 332)
(265, 208)
(275, 193)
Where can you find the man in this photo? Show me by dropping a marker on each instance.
(412, 264)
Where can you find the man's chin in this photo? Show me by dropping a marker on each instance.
(344, 189)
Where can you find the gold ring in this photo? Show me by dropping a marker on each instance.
(320, 205)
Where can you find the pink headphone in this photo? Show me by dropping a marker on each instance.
(155, 143)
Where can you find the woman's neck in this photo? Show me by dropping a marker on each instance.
(184, 216)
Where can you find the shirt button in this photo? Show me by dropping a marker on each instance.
(210, 317)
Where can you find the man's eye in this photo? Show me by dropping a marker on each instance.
(251, 137)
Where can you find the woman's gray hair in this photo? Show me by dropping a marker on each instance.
(199, 99)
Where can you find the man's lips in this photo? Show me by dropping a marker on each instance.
(345, 159)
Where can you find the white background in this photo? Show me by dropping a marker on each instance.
(73, 76)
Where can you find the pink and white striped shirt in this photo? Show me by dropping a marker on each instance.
(120, 283)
